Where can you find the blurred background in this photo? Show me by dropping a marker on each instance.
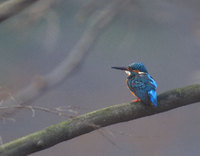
(163, 34)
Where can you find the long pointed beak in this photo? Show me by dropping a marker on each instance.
(121, 68)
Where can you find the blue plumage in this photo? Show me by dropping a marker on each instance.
(138, 66)
(143, 86)
(153, 97)
(141, 83)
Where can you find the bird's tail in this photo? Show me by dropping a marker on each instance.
(153, 97)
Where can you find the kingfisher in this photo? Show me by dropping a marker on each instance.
(140, 83)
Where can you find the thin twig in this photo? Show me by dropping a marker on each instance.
(107, 138)
(58, 112)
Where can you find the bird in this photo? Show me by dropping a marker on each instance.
(140, 83)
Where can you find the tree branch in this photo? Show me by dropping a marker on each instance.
(12, 7)
(100, 118)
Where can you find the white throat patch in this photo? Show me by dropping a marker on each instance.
(128, 72)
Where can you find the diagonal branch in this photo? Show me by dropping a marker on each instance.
(12, 7)
(44, 83)
(100, 118)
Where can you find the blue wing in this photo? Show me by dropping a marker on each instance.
(152, 93)
(144, 87)
(153, 97)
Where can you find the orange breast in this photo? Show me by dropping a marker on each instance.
(128, 88)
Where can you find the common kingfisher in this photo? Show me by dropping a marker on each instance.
(140, 83)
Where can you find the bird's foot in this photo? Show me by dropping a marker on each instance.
(137, 100)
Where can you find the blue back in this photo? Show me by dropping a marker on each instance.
(144, 87)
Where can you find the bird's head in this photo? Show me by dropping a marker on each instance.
(133, 68)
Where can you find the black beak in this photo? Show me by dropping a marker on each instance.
(121, 68)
